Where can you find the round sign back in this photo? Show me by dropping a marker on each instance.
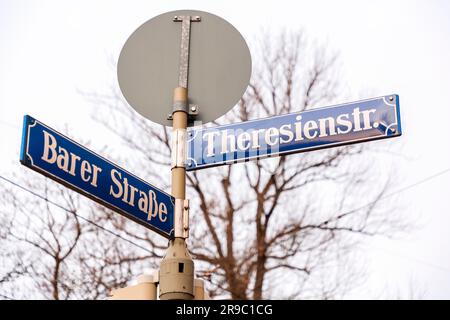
(218, 74)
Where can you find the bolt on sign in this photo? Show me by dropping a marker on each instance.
(67, 162)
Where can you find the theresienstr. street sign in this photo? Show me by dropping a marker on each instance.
(372, 119)
(59, 158)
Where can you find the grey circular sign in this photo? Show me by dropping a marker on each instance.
(219, 66)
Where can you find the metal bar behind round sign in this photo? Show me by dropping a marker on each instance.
(184, 48)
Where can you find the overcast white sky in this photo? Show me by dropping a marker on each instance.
(50, 49)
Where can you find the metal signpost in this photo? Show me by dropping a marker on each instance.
(59, 158)
(361, 121)
(177, 68)
(206, 63)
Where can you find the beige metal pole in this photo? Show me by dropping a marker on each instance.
(176, 277)
(176, 274)
(179, 122)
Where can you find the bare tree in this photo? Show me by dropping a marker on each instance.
(51, 237)
(54, 245)
(273, 228)
(258, 225)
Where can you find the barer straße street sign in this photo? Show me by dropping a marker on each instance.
(65, 161)
(349, 123)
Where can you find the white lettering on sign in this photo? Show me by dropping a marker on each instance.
(73, 164)
(229, 141)
(145, 200)
(68, 161)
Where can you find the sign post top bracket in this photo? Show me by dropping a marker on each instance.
(192, 18)
(184, 47)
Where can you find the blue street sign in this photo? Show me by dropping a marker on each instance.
(59, 158)
(372, 119)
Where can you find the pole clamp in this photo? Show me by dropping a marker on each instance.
(178, 148)
(192, 110)
(181, 218)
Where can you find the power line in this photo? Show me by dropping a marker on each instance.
(89, 221)
(9, 124)
(403, 189)
(412, 258)
(74, 213)
(6, 297)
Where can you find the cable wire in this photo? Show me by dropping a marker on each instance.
(74, 213)
(9, 124)
(400, 190)
(411, 258)
(6, 297)
(403, 189)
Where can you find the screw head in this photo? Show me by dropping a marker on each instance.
(391, 98)
(193, 108)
